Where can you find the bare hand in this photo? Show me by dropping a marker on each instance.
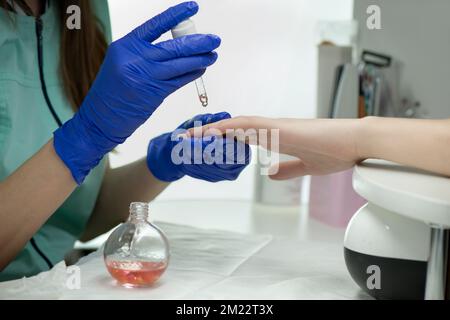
(321, 146)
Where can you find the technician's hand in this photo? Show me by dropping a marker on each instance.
(321, 146)
(133, 81)
(197, 155)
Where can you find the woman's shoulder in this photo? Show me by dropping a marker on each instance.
(101, 11)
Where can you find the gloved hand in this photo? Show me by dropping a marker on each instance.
(197, 154)
(133, 81)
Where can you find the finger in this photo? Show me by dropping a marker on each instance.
(232, 152)
(243, 153)
(217, 117)
(288, 170)
(205, 119)
(249, 130)
(243, 123)
(174, 68)
(198, 118)
(183, 80)
(191, 45)
(155, 27)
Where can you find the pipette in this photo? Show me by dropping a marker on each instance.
(185, 28)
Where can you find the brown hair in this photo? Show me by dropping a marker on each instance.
(81, 51)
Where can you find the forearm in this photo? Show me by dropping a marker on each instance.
(121, 186)
(29, 197)
(423, 144)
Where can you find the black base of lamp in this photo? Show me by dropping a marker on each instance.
(399, 279)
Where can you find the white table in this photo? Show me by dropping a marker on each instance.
(301, 259)
(304, 259)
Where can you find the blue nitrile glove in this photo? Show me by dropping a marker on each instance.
(162, 149)
(133, 81)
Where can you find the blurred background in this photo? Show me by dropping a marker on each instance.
(267, 66)
(303, 58)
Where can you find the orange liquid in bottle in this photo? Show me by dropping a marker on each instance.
(136, 273)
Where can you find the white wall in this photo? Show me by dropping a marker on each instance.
(267, 66)
(416, 33)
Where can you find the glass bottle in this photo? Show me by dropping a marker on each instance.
(136, 253)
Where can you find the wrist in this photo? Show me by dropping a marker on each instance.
(364, 135)
(76, 147)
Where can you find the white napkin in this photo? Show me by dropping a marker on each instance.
(199, 258)
(45, 286)
(212, 251)
(211, 264)
(289, 269)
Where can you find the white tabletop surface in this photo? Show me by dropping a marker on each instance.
(304, 260)
(301, 259)
(411, 192)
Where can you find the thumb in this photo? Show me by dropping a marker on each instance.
(288, 170)
(155, 27)
(218, 117)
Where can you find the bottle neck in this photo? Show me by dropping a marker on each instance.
(139, 211)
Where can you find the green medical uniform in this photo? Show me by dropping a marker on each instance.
(26, 124)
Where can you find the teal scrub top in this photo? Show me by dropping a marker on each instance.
(26, 124)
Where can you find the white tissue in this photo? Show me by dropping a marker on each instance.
(211, 264)
(45, 286)
(199, 258)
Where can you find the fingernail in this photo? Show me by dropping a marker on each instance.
(223, 115)
(215, 56)
(190, 133)
(215, 38)
(192, 5)
(183, 136)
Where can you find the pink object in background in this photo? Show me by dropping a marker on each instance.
(333, 200)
